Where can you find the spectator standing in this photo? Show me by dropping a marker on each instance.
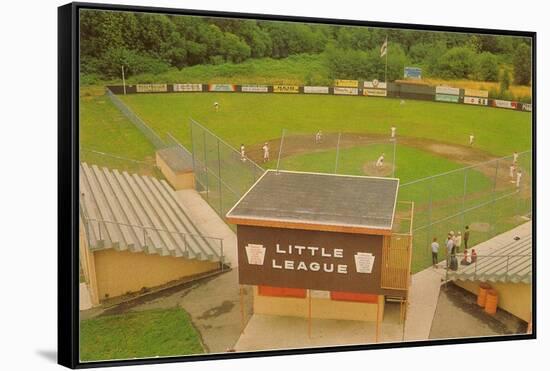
(466, 236)
(435, 251)
(458, 241)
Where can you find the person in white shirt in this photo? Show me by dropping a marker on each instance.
(243, 155)
(472, 138)
(380, 161)
(435, 251)
(518, 178)
(450, 249)
(216, 106)
(265, 148)
(458, 241)
(515, 160)
(512, 170)
(393, 130)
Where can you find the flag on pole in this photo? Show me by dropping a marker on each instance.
(384, 48)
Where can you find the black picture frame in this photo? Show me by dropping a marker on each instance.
(68, 184)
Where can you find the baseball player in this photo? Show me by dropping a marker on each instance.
(472, 138)
(319, 137)
(512, 170)
(243, 155)
(393, 129)
(216, 106)
(380, 161)
(518, 178)
(265, 148)
(515, 160)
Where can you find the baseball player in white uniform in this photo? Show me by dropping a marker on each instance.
(472, 138)
(512, 170)
(380, 161)
(518, 178)
(243, 155)
(216, 106)
(265, 148)
(319, 137)
(393, 130)
(515, 160)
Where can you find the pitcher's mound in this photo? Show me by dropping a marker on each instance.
(370, 169)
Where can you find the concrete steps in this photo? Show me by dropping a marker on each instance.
(139, 214)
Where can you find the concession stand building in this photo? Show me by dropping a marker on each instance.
(323, 245)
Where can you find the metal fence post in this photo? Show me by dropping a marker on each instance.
(493, 227)
(205, 164)
(280, 149)
(464, 196)
(394, 159)
(337, 153)
(220, 178)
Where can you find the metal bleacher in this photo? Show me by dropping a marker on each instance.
(140, 214)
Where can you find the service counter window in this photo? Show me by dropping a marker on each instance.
(353, 296)
(281, 292)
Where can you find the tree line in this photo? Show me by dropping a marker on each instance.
(154, 43)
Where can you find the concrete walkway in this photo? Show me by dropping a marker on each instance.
(266, 332)
(85, 301)
(209, 222)
(423, 296)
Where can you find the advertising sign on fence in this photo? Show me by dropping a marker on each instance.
(413, 73)
(375, 84)
(476, 93)
(476, 100)
(504, 104)
(375, 92)
(526, 107)
(151, 88)
(347, 83)
(286, 89)
(254, 88)
(447, 90)
(346, 91)
(446, 98)
(316, 89)
(187, 87)
(222, 87)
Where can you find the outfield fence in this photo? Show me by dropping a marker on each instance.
(490, 198)
(222, 175)
(149, 133)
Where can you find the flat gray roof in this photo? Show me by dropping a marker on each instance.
(339, 200)
(177, 159)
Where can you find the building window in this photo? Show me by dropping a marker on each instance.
(353, 296)
(281, 291)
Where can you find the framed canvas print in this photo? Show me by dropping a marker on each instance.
(237, 185)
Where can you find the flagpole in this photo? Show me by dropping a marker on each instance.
(386, 68)
(123, 79)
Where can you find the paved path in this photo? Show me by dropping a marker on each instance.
(85, 301)
(208, 222)
(278, 332)
(423, 296)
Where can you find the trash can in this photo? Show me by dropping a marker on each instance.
(491, 301)
(482, 294)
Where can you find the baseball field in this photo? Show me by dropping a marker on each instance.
(432, 138)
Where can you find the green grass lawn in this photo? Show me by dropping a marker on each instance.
(166, 332)
(254, 118)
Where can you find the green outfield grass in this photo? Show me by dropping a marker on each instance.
(166, 332)
(253, 118)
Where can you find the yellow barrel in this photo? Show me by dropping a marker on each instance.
(482, 293)
(491, 302)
